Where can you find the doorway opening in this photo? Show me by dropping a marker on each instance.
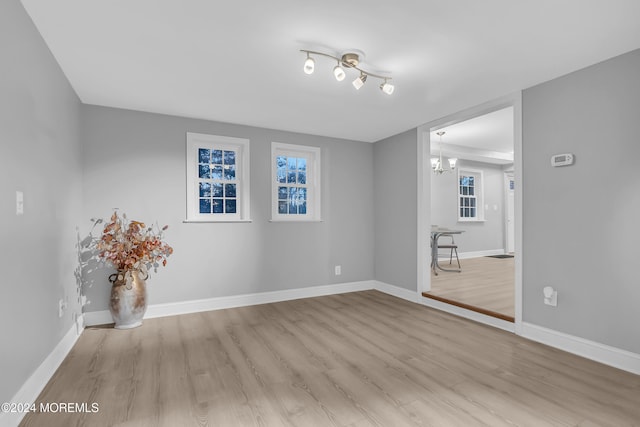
(471, 213)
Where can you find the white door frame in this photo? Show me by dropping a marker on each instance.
(508, 234)
(424, 193)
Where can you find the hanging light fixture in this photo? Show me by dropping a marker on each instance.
(436, 162)
(348, 60)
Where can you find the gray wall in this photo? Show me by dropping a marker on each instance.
(478, 236)
(396, 206)
(581, 224)
(39, 155)
(136, 161)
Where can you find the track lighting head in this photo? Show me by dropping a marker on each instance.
(339, 73)
(387, 87)
(348, 61)
(359, 82)
(309, 65)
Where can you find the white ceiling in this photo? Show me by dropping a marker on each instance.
(487, 138)
(239, 61)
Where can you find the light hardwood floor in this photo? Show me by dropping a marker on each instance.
(484, 282)
(357, 359)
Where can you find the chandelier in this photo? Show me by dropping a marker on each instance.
(436, 162)
(348, 60)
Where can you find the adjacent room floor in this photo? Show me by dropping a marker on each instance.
(485, 284)
(357, 359)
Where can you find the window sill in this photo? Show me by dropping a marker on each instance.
(213, 221)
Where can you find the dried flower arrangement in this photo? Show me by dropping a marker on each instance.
(131, 246)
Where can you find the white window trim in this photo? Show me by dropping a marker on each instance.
(241, 145)
(314, 171)
(479, 194)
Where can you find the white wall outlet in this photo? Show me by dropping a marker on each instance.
(19, 203)
(338, 270)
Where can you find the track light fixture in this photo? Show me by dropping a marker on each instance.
(359, 82)
(387, 87)
(339, 73)
(348, 60)
(309, 64)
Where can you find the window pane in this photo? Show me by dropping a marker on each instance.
(203, 155)
(216, 172)
(291, 163)
(205, 205)
(472, 203)
(217, 189)
(230, 190)
(461, 212)
(291, 177)
(282, 206)
(302, 177)
(471, 180)
(216, 157)
(471, 191)
(293, 209)
(282, 175)
(282, 193)
(302, 164)
(204, 171)
(464, 180)
(465, 191)
(302, 209)
(472, 213)
(302, 194)
(205, 189)
(229, 157)
(230, 173)
(230, 206)
(281, 162)
(217, 206)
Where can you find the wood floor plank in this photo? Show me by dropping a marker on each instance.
(484, 282)
(358, 359)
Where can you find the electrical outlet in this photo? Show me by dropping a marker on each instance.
(338, 270)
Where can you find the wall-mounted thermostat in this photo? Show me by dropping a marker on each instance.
(562, 160)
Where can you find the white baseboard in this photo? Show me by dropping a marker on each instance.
(397, 291)
(185, 307)
(602, 353)
(30, 390)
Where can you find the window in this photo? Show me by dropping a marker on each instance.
(217, 178)
(295, 171)
(470, 195)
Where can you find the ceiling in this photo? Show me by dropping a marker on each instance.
(239, 62)
(487, 138)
